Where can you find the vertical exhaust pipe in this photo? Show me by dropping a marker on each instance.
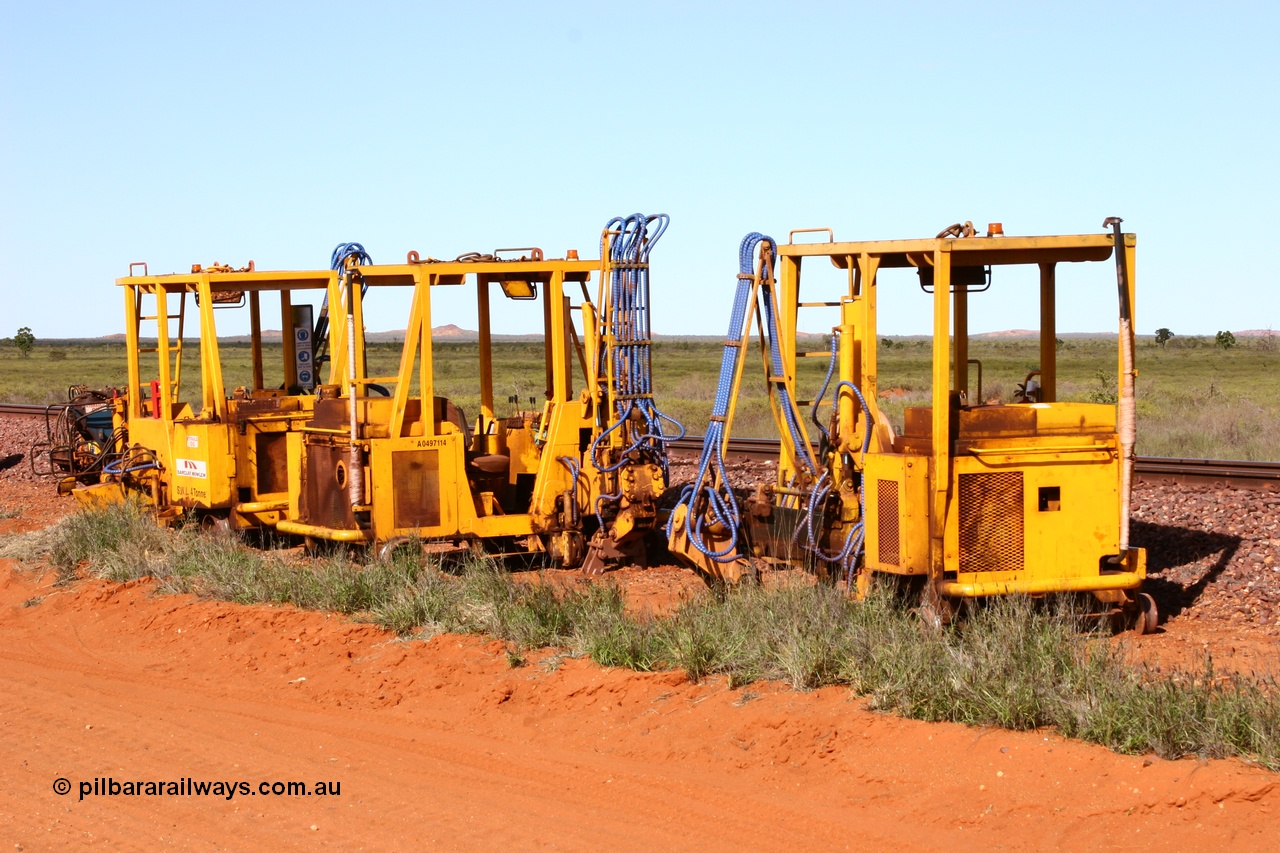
(355, 470)
(1127, 423)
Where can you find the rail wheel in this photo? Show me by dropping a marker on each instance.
(216, 524)
(1147, 617)
(936, 611)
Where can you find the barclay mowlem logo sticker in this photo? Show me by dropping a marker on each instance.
(192, 468)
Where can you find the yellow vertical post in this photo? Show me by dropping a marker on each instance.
(486, 354)
(177, 349)
(786, 304)
(961, 298)
(566, 325)
(357, 312)
(788, 290)
(591, 344)
(337, 332)
(548, 345)
(1048, 334)
(255, 336)
(132, 299)
(848, 346)
(426, 361)
(408, 355)
(557, 335)
(212, 396)
(867, 269)
(162, 350)
(286, 339)
(941, 450)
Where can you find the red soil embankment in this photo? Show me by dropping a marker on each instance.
(441, 745)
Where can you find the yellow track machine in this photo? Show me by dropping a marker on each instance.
(222, 458)
(578, 479)
(971, 499)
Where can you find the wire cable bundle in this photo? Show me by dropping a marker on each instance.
(638, 417)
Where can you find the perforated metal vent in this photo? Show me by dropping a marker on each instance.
(991, 524)
(888, 544)
(415, 478)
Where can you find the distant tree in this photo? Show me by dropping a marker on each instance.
(887, 343)
(24, 341)
(1226, 340)
(1162, 336)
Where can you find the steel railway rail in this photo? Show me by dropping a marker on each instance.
(1238, 474)
(1265, 475)
(27, 409)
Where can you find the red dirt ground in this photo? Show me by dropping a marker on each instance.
(442, 746)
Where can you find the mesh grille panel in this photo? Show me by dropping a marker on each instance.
(887, 542)
(415, 478)
(991, 522)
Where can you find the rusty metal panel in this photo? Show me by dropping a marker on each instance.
(991, 522)
(325, 499)
(415, 478)
(994, 421)
(330, 414)
(272, 461)
(888, 537)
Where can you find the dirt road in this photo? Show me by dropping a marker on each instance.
(443, 746)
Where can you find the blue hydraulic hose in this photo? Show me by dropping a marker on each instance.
(337, 261)
(629, 324)
(712, 482)
(711, 485)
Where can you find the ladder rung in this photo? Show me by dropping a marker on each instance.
(804, 402)
(148, 349)
(819, 304)
(818, 353)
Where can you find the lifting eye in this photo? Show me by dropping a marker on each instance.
(340, 475)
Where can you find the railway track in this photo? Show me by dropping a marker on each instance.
(25, 409)
(1237, 474)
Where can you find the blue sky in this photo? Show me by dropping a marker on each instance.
(184, 132)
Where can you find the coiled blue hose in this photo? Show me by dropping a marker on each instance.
(337, 261)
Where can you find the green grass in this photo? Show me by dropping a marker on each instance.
(1013, 662)
(1194, 399)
